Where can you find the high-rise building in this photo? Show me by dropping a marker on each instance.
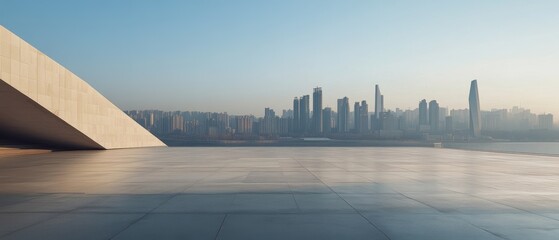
(304, 114)
(434, 115)
(475, 112)
(177, 122)
(379, 108)
(151, 121)
(287, 113)
(296, 116)
(269, 124)
(356, 116)
(282, 126)
(317, 110)
(545, 121)
(244, 124)
(364, 117)
(423, 114)
(443, 112)
(343, 115)
(327, 120)
(448, 124)
(460, 118)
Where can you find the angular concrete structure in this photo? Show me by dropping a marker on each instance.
(45, 103)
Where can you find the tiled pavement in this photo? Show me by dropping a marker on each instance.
(279, 193)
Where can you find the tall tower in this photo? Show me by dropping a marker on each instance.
(304, 113)
(364, 117)
(379, 108)
(356, 116)
(327, 120)
(317, 110)
(434, 115)
(296, 115)
(423, 115)
(343, 115)
(475, 116)
(379, 102)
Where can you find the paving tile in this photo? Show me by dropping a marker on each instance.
(77, 226)
(360, 188)
(52, 203)
(322, 203)
(174, 226)
(265, 203)
(10, 199)
(11, 222)
(386, 203)
(130, 203)
(461, 203)
(220, 188)
(195, 203)
(515, 226)
(427, 226)
(309, 188)
(298, 226)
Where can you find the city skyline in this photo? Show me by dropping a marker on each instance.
(377, 103)
(180, 55)
(429, 121)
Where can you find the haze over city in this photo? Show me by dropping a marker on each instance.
(240, 57)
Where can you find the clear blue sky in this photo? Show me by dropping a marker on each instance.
(243, 56)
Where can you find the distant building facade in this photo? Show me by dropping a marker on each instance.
(379, 108)
(475, 112)
(343, 115)
(545, 121)
(304, 113)
(423, 114)
(434, 116)
(317, 111)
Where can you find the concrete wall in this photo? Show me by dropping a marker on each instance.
(66, 96)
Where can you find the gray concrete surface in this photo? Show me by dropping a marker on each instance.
(279, 193)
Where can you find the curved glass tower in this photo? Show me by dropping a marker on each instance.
(475, 116)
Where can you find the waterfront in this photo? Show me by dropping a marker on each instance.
(545, 148)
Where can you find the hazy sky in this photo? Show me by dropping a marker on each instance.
(242, 56)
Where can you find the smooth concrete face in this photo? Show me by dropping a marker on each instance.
(279, 193)
(84, 118)
(25, 120)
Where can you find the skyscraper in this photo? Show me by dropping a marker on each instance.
(448, 124)
(364, 117)
(423, 117)
(356, 116)
(475, 115)
(379, 108)
(545, 121)
(296, 115)
(304, 114)
(327, 120)
(317, 110)
(269, 124)
(434, 115)
(343, 115)
(244, 124)
(177, 123)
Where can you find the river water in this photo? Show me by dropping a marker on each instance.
(551, 148)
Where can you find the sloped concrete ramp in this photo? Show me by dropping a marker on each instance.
(43, 102)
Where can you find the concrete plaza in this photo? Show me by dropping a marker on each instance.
(279, 193)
